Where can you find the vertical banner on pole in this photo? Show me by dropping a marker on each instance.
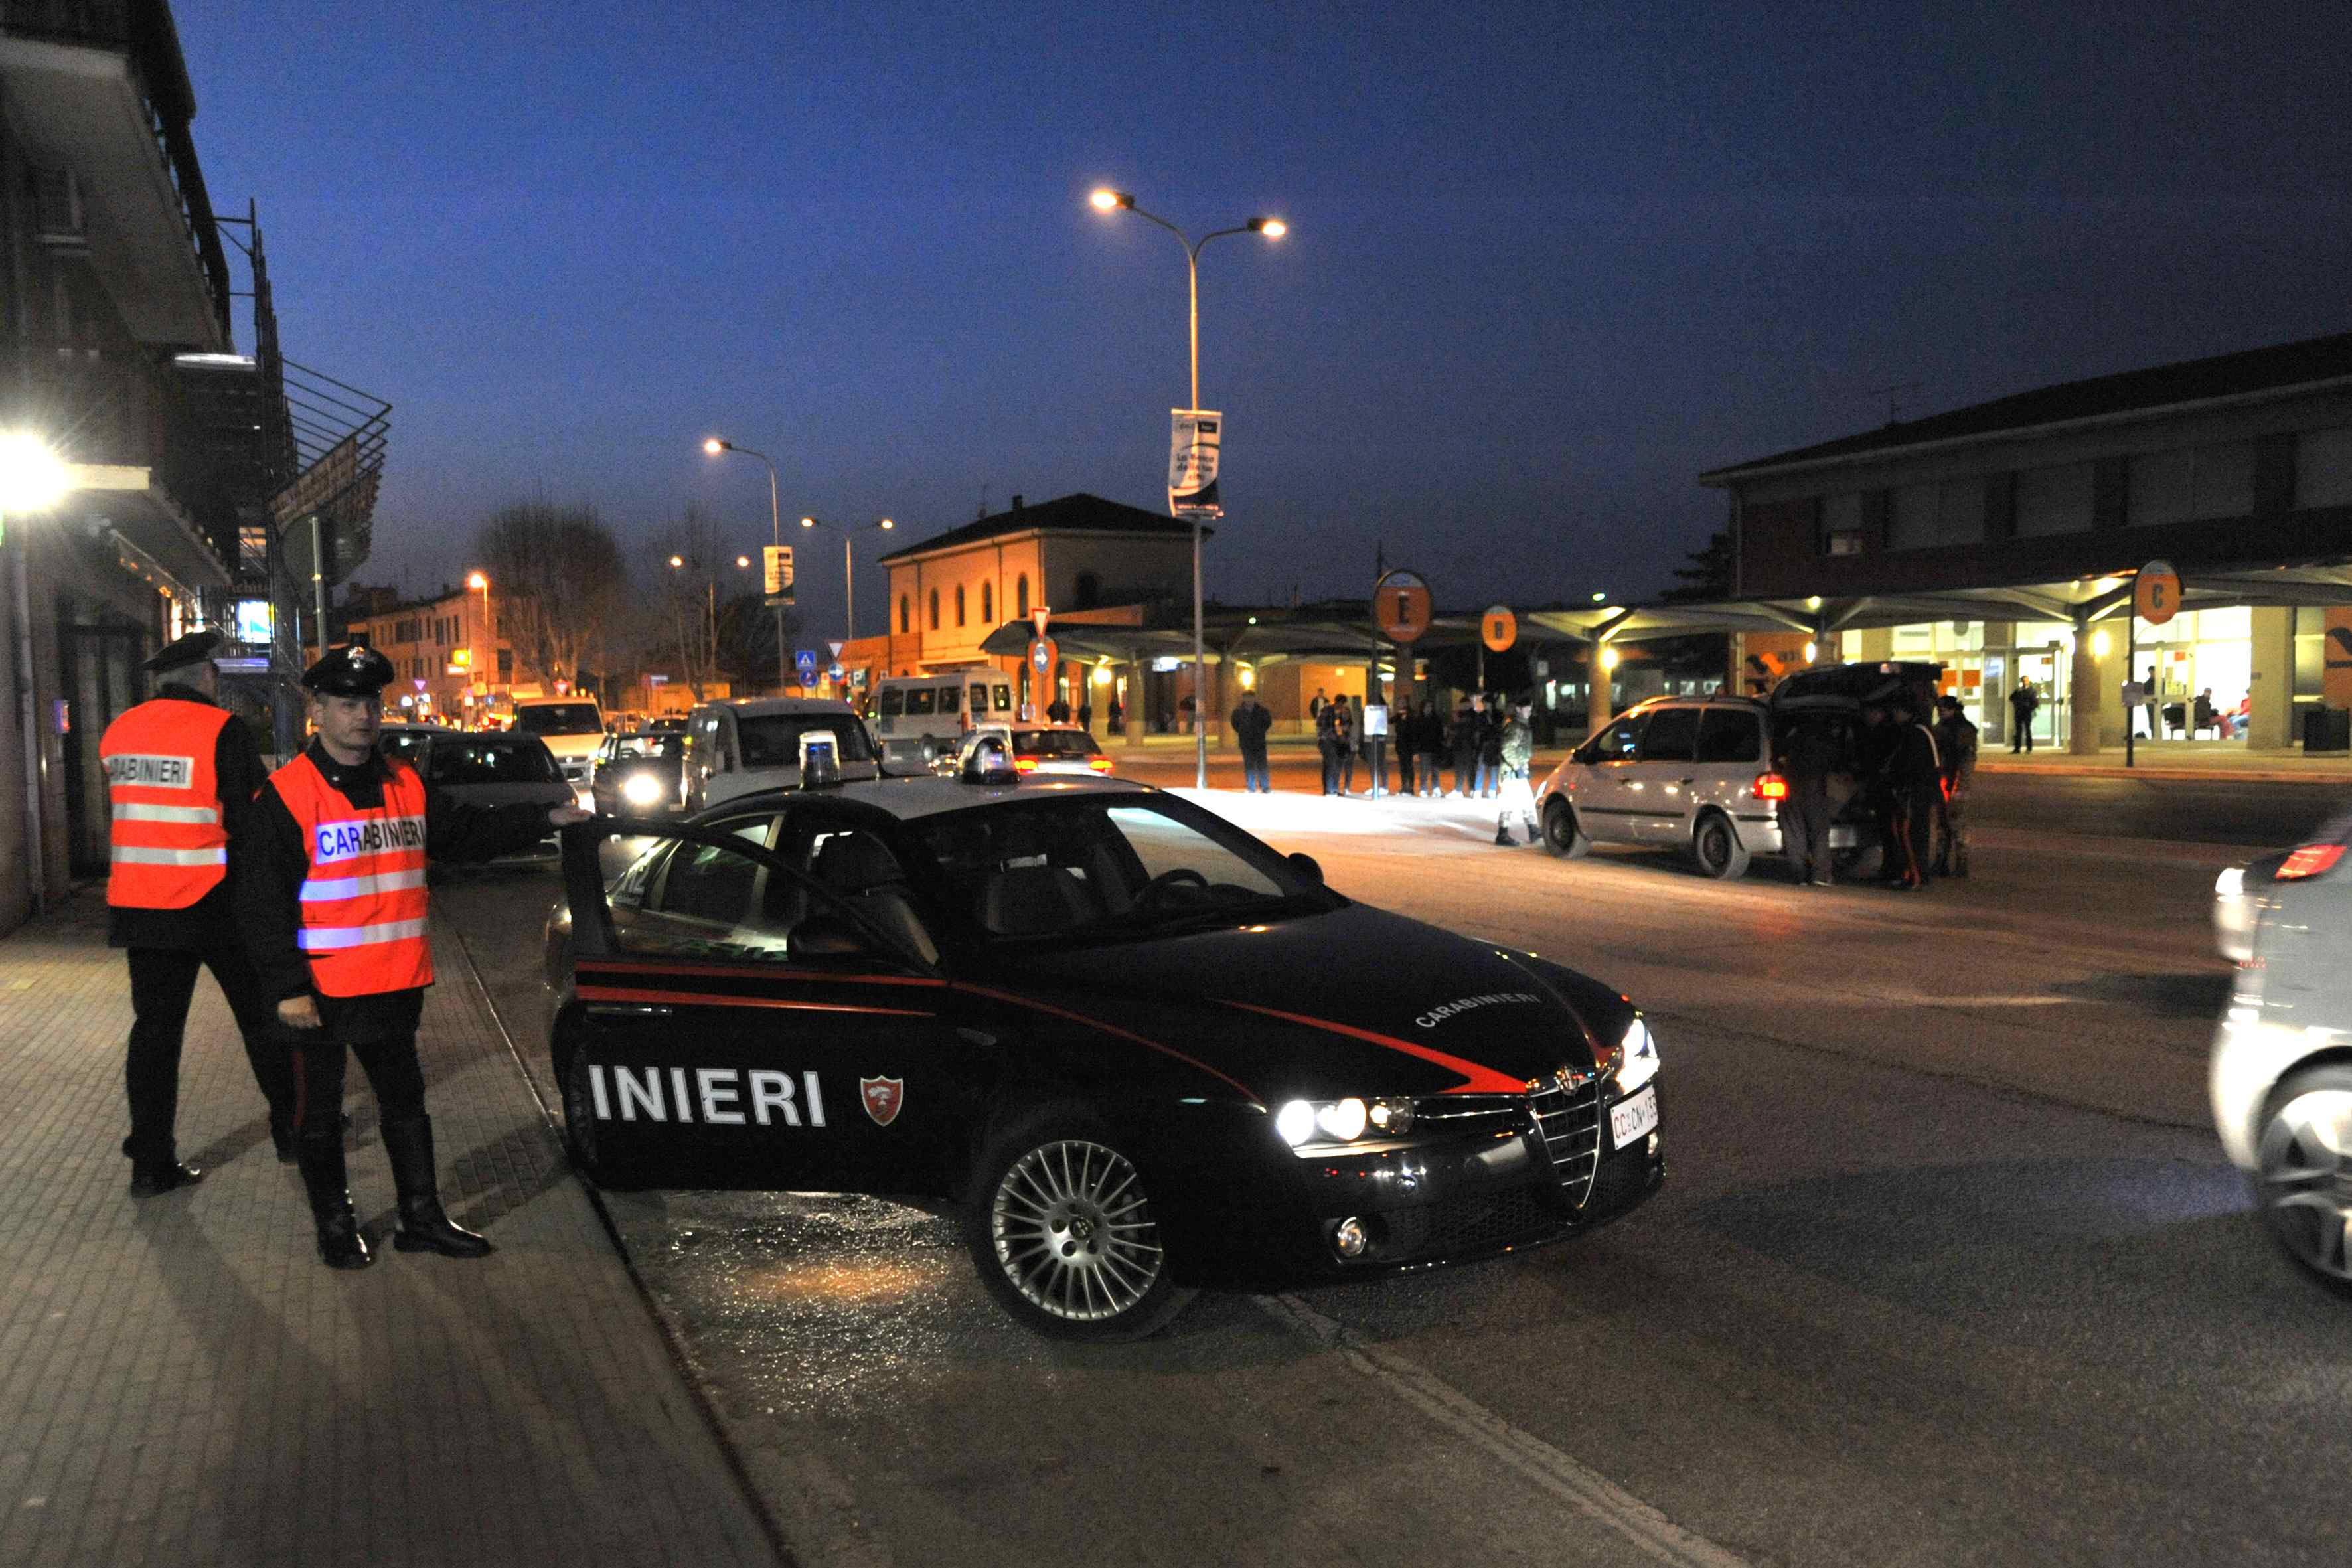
(1195, 436)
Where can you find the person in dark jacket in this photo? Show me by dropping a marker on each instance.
(1515, 753)
(2022, 702)
(1326, 742)
(1250, 721)
(1809, 753)
(1914, 787)
(1429, 740)
(332, 901)
(1349, 726)
(1490, 749)
(181, 773)
(1466, 721)
(1956, 749)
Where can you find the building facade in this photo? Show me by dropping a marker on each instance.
(451, 664)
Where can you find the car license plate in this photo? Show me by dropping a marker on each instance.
(1631, 1119)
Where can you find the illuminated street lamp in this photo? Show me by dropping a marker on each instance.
(480, 584)
(1109, 201)
(848, 572)
(33, 479)
(715, 447)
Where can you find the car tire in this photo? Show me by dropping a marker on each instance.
(580, 1119)
(1560, 834)
(1716, 847)
(1058, 1221)
(2300, 1178)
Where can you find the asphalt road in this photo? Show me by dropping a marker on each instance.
(1947, 1269)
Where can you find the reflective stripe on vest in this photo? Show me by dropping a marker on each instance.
(166, 841)
(363, 898)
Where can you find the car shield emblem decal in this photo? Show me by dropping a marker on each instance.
(882, 1097)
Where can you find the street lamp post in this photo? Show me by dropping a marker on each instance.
(33, 479)
(715, 445)
(1108, 201)
(848, 570)
(480, 582)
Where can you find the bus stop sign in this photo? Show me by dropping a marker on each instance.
(2156, 594)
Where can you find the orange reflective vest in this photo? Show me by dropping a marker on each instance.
(363, 898)
(168, 847)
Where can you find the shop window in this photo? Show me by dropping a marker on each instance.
(2189, 485)
(2322, 468)
(2053, 500)
(1842, 524)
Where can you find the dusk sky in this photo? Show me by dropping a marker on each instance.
(1546, 263)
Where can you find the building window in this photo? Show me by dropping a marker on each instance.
(505, 664)
(988, 604)
(1021, 594)
(935, 609)
(2053, 500)
(2189, 485)
(2322, 468)
(959, 604)
(1842, 524)
(1920, 517)
(906, 613)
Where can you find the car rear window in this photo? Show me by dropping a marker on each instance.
(1672, 736)
(1054, 743)
(491, 759)
(559, 719)
(774, 739)
(1730, 735)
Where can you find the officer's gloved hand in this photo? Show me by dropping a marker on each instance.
(300, 1012)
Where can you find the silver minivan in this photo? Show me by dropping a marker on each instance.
(1695, 773)
(736, 747)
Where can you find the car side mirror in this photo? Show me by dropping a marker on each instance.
(826, 936)
(1309, 869)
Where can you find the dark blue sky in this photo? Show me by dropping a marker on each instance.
(1546, 263)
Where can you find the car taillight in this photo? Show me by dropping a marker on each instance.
(2311, 861)
(1025, 764)
(1770, 786)
(1100, 765)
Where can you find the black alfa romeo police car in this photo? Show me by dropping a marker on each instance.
(1138, 1050)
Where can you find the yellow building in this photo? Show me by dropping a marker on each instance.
(449, 662)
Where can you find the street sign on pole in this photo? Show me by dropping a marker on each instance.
(1498, 628)
(805, 660)
(778, 560)
(2156, 594)
(1400, 605)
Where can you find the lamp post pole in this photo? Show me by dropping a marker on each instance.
(1272, 229)
(715, 445)
(848, 567)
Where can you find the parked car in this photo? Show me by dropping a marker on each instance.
(483, 767)
(2281, 1077)
(1696, 773)
(573, 727)
(1035, 749)
(641, 775)
(735, 747)
(919, 719)
(1138, 1050)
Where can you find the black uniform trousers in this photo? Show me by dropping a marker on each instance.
(318, 1058)
(1910, 841)
(163, 983)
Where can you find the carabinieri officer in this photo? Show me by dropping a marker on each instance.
(331, 892)
(181, 771)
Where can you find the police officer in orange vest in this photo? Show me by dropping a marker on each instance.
(180, 775)
(330, 893)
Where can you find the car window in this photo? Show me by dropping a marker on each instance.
(1730, 735)
(1670, 736)
(712, 903)
(894, 702)
(921, 700)
(979, 700)
(560, 718)
(1090, 871)
(1619, 741)
(774, 739)
(1054, 743)
(950, 697)
(491, 759)
(404, 748)
(621, 747)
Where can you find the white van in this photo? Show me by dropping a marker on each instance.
(574, 729)
(736, 747)
(919, 717)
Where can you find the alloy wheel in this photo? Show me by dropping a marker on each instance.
(2304, 1179)
(1072, 1231)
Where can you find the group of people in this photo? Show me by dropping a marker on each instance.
(303, 891)
(1913, 771)
(1491, 746)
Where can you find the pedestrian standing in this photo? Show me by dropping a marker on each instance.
(1430, 740)
(1809, 753)
(1058, 712)
(1087, 710)
(1914, 777)
(1250, 721)
(2022, 702)
(1350, 727)
(1956, 750)
(1490, 748)
(1468, 724)
(1515, 750)
(1404, 739)
(331, 894)
(1315, 704)
(1326, 743)
(181, 771)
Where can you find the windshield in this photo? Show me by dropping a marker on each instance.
(491, 759)
(774, 739)
(404, 745)
(657, 744)
(559, 719)
(1054, 743)
(1104, 870)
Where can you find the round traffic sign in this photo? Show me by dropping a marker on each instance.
(1498, 628)
(1400, 605)
(2156, 594)
(1044, 654)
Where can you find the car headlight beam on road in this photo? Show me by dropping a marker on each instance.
(1636, 1057)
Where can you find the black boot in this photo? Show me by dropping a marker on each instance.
(341, 1246)
(424, 1226)
(149, 1177)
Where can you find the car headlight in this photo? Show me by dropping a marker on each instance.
(1635, 1059)
(2230, 883)
(641, 789)
(1326, 1122)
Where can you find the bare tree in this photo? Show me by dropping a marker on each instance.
(560, 571)
(685, 564)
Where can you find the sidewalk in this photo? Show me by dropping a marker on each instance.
(182, 1381)
(2215, 762)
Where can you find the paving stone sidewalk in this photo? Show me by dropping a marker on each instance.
(182, 1381)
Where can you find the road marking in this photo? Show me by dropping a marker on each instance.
(1585, 1489)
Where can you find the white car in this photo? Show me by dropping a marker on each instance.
(574, 729)
(735, 747)
(1036, 749)
(2280, 1076)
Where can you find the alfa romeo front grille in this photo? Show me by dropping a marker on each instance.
(1568, 1122)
